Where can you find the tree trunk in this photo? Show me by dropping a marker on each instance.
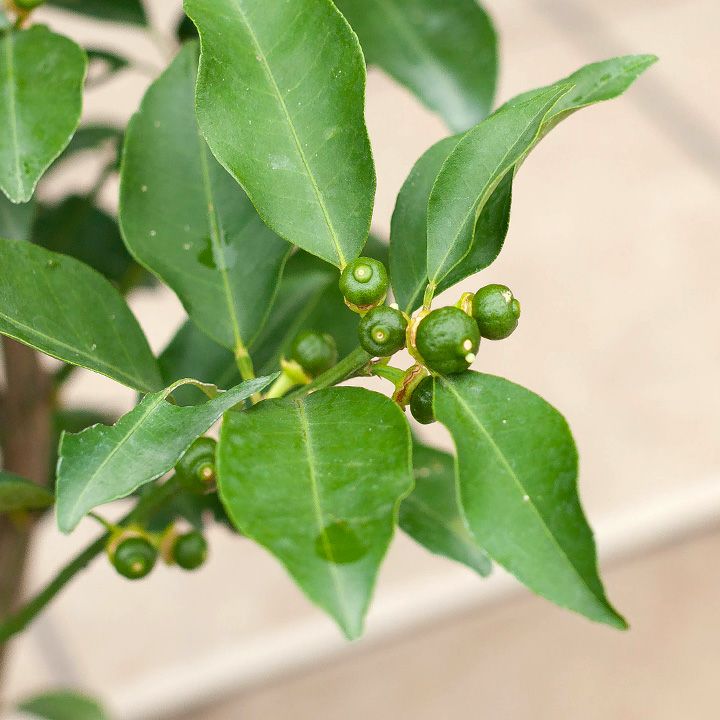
(25, 437)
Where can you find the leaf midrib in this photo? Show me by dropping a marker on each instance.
(298, 146)
(318, 512)
(12, 108)
(530, 502)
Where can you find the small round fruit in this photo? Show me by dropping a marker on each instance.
(314, 352)
(382, 331)
(364, 283)
(196, 468)
(421, 401)
(134, 557)
(190, 550)
(447, 340)
(496, 311)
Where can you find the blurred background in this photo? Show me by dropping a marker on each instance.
(613, 251)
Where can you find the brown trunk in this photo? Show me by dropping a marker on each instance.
(25, 436)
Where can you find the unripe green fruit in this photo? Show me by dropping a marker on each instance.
(421, 401)
(496, 311)
(190, 550)
(382, 331)
(447, 340)
(134, 557)
(314, 352)
(196, 469)
(28, 4)
(364, 283)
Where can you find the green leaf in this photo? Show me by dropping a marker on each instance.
(16, 220)
(63, 705)
(431, 513)
(41, 82)
(102, 463)
(186, 220)
(493, 150)
(122, 11)
(79, 229)
(444, 52)
(517, 473)
(65, 309)
(325, 506)
(16, 493)
(280, 100)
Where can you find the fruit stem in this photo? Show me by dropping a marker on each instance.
(429, 294)
(16, 623)
(387, 372)
(353, 364)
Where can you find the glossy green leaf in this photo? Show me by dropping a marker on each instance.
(16, 493)
(280, 100)
(16, 220)
(317, 481)
(443, 51)
(517, 473)
(493, 150)
(102, 463)
(431, 513)
(78, 228)
(41, 82)
(472, 172)
(66, 309)
(63, 705)
(122, 11)
(186, 220)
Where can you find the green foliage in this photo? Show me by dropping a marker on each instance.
(63, 705)
(247, 186)
(517, 473)
(41, 79)
(444, 52)
(431, 514)
(330, 529)
(76, 227)
(16, 493)
(71, 312)
(280, 99)
(185, 219)
(102, 463)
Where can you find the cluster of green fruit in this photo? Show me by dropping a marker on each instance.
(444, 341)
(133, 551)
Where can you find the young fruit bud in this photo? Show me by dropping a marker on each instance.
(132, 555)
(196, 469)
(364, 284)
(447, 339)
(190, 550)
(382, 331)
(496, 311)
(421, 401)
(314, 352)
